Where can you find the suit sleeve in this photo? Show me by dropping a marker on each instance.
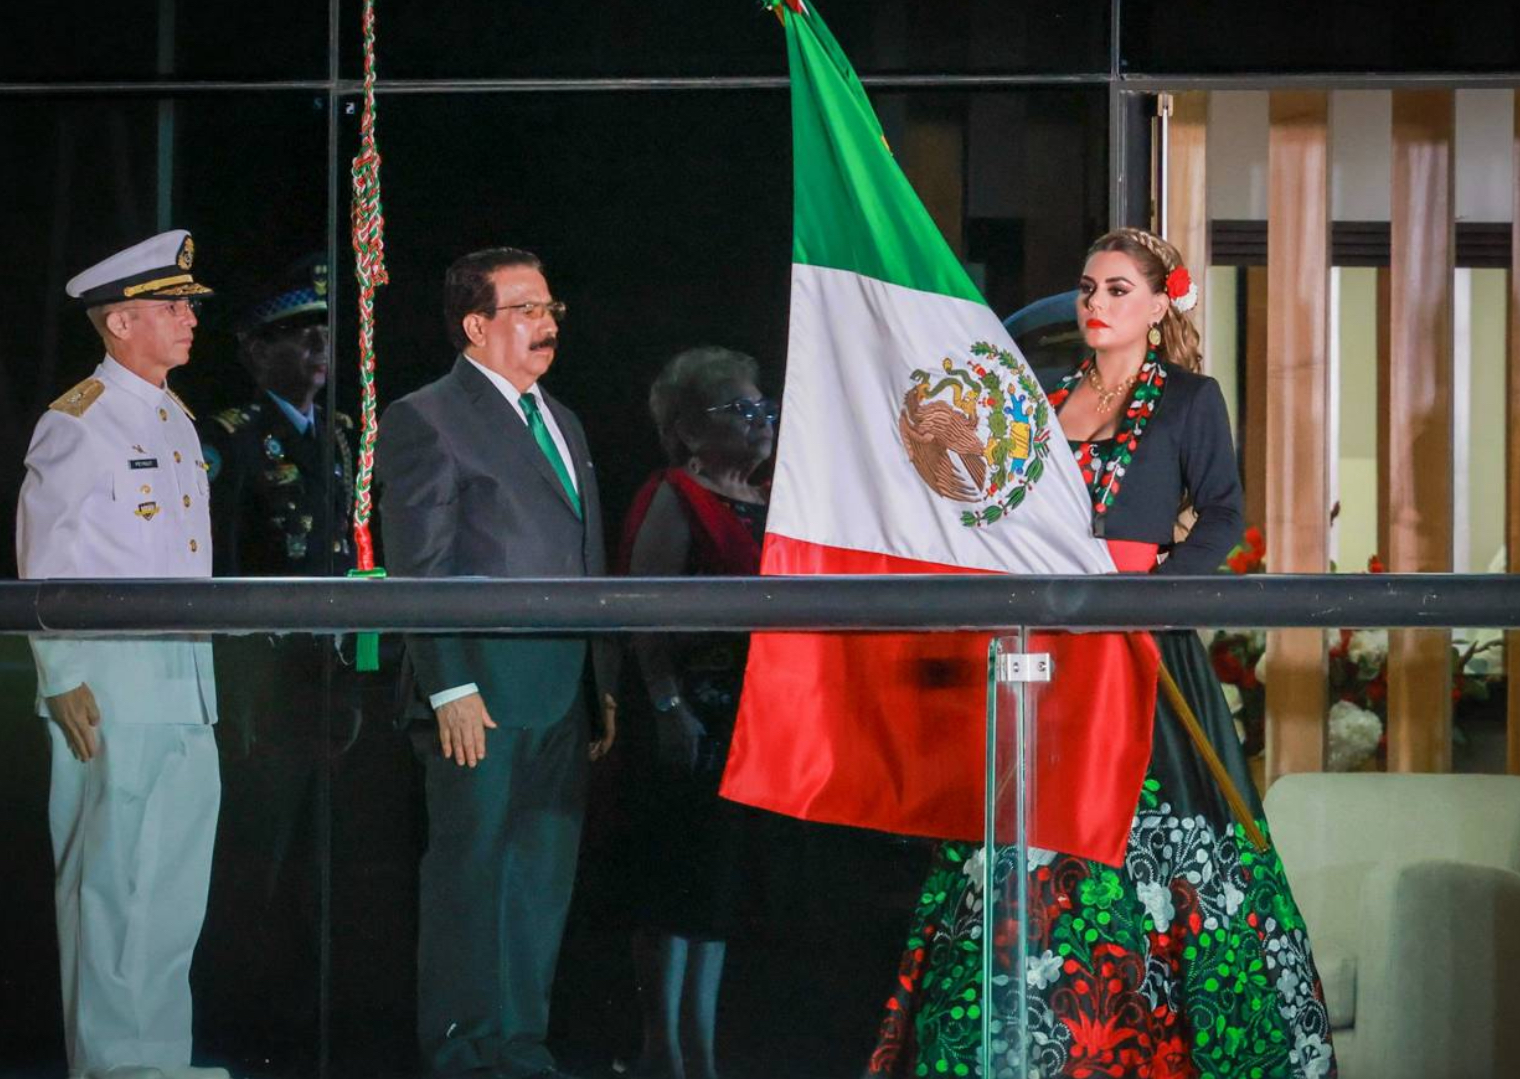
(419, 504)
(60, 475)
(1213, 481)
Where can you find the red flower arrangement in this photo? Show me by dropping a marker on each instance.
(1181, 289)
(1250, 555)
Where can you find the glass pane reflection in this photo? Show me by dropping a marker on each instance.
(1163, 38)
(1355, 853)
(693, 187)
(98, 41)
(479, 39)
(252, 214)
(308, 950)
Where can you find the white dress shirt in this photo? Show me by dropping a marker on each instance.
(514, 398)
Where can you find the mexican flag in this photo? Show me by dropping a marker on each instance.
(915, 439)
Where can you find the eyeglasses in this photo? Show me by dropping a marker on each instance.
(535, 310)
(760, 408)
(185, 305)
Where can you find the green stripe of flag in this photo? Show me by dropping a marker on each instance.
(853, 209)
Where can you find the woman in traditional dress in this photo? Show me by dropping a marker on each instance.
(703, 515)
(1190, 958)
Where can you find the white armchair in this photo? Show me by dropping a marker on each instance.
(1410, 887)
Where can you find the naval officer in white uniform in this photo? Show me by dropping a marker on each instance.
(116, 487)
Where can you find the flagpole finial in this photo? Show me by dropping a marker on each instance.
(779, 8)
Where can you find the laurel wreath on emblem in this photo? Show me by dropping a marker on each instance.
(988, 443)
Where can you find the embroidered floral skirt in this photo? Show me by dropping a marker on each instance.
(1190, 960)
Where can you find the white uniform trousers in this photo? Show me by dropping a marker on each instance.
(133, 831)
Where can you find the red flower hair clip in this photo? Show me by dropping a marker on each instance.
(1181, 289)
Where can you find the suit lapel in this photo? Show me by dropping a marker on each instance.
(509, 432)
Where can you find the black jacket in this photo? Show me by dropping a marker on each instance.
(271, 513)
(1185, 452)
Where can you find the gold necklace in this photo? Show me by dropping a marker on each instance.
(1107, 396)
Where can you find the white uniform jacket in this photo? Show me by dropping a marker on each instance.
(118, 488)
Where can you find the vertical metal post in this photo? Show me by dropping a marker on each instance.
(1161, 173)
(989, 833)
(1118, 142)
(164, 207)
(324, 805)
(1016, 669)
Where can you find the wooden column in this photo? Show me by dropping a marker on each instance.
(1384, 314)
(1298, 450)
(1419, 403)
(1187, 193)
(1512, 469)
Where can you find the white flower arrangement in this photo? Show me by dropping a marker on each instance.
(1354, 734)
(1368, 648)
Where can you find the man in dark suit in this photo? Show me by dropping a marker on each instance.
(483, 473)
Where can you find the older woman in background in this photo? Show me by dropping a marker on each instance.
(701, 515)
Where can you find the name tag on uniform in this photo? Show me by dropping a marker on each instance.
(144, 462)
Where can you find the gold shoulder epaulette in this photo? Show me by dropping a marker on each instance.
(183, 407)
(78, 400)
(233, 420)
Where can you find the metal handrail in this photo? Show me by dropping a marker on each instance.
(687, 604)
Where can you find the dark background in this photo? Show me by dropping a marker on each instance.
(662, 209)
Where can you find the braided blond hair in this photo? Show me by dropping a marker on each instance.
(1180, 342)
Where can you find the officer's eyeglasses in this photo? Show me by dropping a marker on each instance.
(535, 310)
(760, 408)
(185, 305)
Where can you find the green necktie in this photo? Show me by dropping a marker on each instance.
(545, 442)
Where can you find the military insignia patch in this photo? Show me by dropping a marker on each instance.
(231, 419)
(283, 474)
(77, 401)
(979, 434)
(147, 510)
(186, 254)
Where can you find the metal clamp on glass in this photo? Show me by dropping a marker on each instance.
(1024, 667)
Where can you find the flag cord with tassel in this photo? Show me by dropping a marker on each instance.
(368, 229)
(1210, 758)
